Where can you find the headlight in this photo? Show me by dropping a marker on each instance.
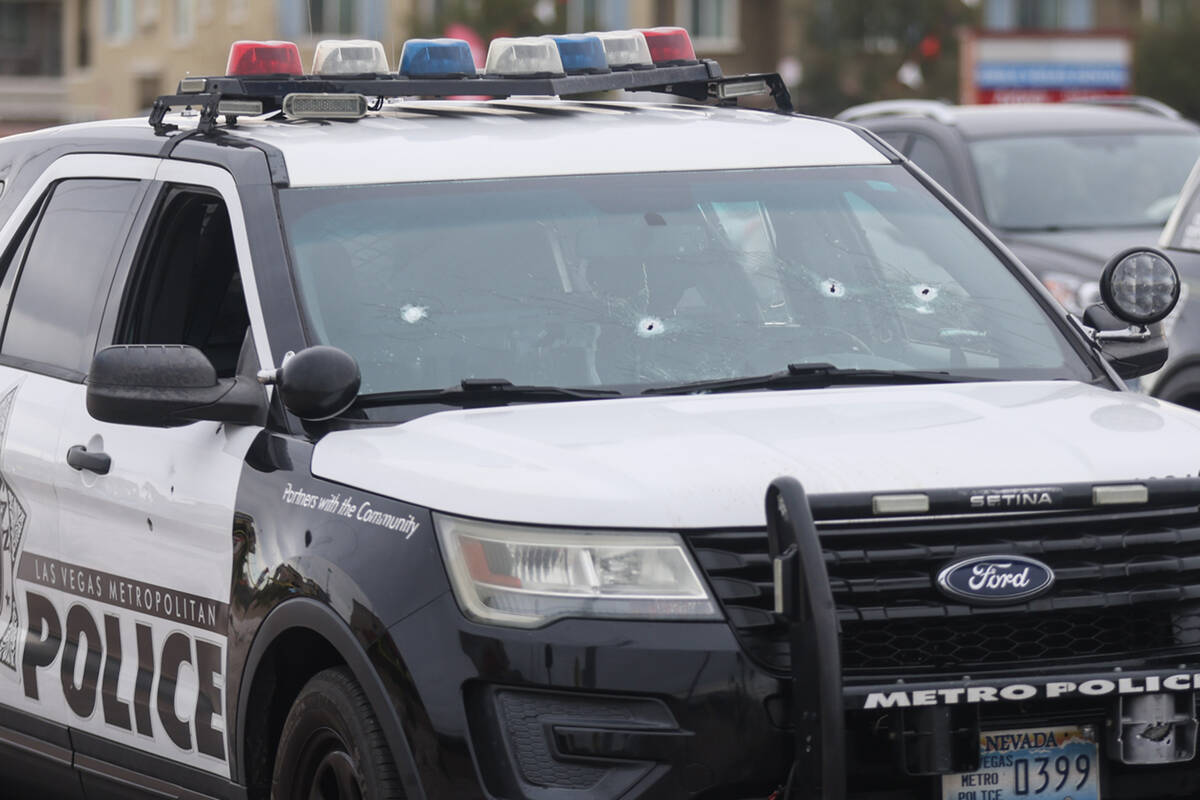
(522, 576)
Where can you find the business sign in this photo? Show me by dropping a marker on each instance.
(1036, 68)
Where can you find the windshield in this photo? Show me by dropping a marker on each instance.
(635, 281)
(1083, 180)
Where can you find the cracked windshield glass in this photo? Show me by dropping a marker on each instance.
(643, 280)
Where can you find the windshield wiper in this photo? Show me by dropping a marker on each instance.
(813, 376)
(478, 392)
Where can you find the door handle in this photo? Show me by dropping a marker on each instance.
(97, 462)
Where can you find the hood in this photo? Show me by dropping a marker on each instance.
(1083, 253)
(704, 461)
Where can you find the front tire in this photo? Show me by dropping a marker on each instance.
(331, 746)
(1183, 388)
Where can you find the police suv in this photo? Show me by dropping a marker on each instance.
(361, 441)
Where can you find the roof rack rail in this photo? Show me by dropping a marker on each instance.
(1134, 102)
(934, 109)
(232, 97)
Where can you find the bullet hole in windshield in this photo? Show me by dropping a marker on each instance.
(413, 314)
(925, 295)
(832, 288)
(649, 326)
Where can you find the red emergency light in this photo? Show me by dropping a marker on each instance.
(264, 58)
(669, 46)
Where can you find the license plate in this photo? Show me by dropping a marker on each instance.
(1060, 763)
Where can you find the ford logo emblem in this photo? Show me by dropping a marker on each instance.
(992, 580)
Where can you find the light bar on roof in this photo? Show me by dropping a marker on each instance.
(523, 57)
(349, 57)
(437, 58)
(581, 53)
(263, 58)
(625, 49)
(669, 47)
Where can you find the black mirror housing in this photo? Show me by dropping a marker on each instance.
(167, 386)
(316, 384)
(1130, 359)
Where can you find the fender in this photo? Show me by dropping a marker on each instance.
(304, 612)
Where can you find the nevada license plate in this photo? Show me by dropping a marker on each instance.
(1060, 763)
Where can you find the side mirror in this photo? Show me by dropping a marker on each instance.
(316, 384)
(164, 385)
(1140, 287)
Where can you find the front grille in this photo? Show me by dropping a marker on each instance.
(1128, 587)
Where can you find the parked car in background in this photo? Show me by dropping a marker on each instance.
(1179, 380)
(1064, 186)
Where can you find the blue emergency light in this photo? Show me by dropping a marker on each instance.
(437, 58)
(581, 53)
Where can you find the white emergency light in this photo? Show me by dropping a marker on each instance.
(523, 57)
(349, 57)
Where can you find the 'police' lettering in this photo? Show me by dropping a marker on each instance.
(101, 671)
(81, 630)
(177, 650)
(145, 678)
(116, 711)
(41, 647)
(208, 704)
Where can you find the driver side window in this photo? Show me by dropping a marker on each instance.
(186, 287)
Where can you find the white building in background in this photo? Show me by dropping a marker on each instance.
(32, 87)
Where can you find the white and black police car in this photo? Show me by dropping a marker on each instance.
(362, 440)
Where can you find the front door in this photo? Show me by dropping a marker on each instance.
(152, 524)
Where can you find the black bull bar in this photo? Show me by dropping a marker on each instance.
(803, 598)
(804, 601)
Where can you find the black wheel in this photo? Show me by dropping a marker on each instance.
(1183, 388)
(331, 746)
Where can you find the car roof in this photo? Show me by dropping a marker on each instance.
(428, 140)
(1038, 118)
(1014, 119)
(450, 140)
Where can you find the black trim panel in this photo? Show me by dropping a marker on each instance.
(110, 769)
(35, 746)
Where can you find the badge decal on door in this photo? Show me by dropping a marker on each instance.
(12, 537)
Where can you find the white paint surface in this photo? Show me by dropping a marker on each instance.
(706, 461)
